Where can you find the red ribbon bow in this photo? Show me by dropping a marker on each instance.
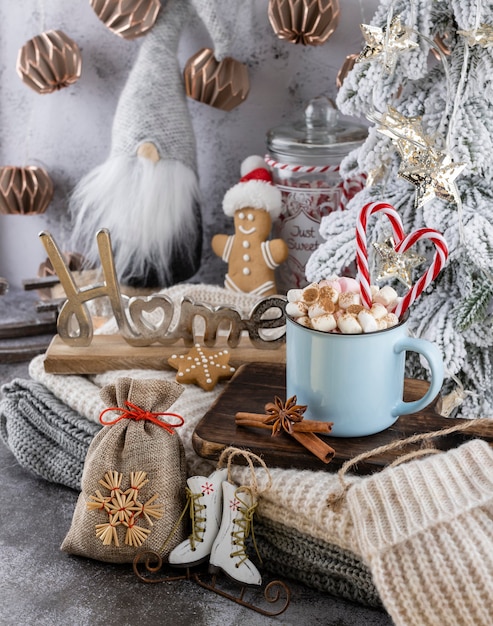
(134, 412)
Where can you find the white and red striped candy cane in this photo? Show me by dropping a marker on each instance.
(303, 169)
(349, 186)
(361, 249)
(439, 260)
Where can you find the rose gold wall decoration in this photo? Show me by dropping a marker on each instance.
(24, 190)
(127, 18)
(309, 22)
(221, 84)
(49, 62)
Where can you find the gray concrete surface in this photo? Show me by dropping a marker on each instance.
(40, 585)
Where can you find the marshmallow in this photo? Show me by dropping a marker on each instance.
(296, 309)
(315, 310)
(354, 309)
(328, 293)
(391, 319)
(320, 308)
(309, 294)
(378, 311)
(386, 296)
(294, 295)
(348, 298)
(331, 282)
(304, 321)
(367, 321)
(327, 305)
(349, 284)
(349, 325)
(325, 323)
(334, 305)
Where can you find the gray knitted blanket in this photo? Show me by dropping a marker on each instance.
(51, 440)
(46, 437)
(320, 565)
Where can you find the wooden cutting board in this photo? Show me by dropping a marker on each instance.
(255, 384)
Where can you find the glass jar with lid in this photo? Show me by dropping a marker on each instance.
(305, 157)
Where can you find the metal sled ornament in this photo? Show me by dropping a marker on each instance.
(75, 325)
(276, 592)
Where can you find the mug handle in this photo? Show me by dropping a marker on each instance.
(433, 356)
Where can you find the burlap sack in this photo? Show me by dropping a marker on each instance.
(109, 518)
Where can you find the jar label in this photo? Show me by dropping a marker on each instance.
(298, 226)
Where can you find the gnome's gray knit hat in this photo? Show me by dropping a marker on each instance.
(146, 193)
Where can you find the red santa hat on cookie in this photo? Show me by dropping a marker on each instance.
(255, 189)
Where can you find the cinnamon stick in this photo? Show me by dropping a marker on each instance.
(303, 432)
(252, 424)
(315, 445)
(307, 426)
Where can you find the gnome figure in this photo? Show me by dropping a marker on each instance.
(253, 203)
(146, 193)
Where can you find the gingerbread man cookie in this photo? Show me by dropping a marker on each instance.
(252, 258)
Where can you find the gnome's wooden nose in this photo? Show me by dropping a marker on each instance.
(149, 151)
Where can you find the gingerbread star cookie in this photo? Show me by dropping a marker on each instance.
(202, 366)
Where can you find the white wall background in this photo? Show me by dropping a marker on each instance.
(68, 132)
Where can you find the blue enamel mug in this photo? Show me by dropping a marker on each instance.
(355, 381)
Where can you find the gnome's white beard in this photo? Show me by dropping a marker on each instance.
(149, 209)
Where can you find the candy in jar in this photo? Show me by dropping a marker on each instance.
(305, 157)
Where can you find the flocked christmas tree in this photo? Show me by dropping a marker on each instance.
(425, 78)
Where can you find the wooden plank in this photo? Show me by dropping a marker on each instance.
(11, 330)
(29, 284)
(254, 384)
(112, 352)
(16, 352)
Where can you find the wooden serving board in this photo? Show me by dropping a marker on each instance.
(255, 384)
(112, 352)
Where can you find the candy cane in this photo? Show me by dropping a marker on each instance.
(349, 188)
(361, 249)
(303, 169)
(439, 260)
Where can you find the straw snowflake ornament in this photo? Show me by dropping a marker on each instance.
(124, 509)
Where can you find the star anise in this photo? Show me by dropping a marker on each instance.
(284, 414)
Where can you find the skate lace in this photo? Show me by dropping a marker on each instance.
(245, 526)
(198, 520)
